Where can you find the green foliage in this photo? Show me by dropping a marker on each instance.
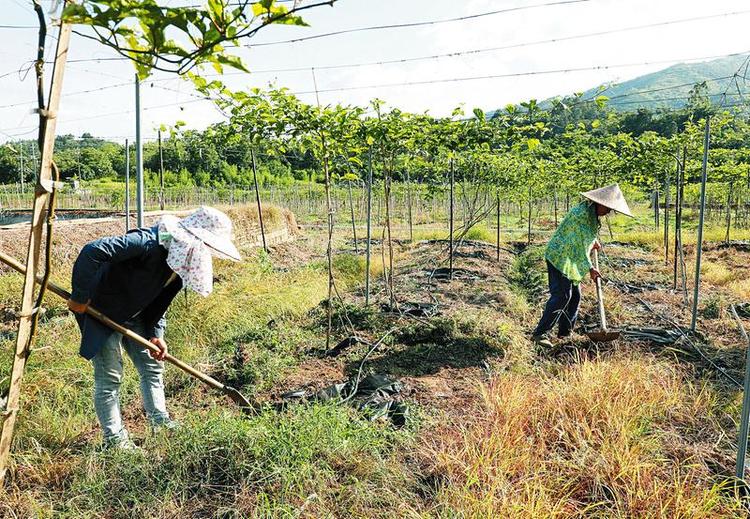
(278, 457)
(156, 35)
(528, 273)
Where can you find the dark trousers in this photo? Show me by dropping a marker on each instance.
(562, 306)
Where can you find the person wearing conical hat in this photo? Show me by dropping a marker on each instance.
(133, 278)
(568, 261)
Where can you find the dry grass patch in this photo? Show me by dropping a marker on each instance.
(715, 273)
(597, 440)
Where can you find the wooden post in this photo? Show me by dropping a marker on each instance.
(369, 227)
(387, 188)
(47, 127)
(683, 273)
(667, 201)
(450, 226)
(677, 220)
(554, 196)
(257, 200)
(528, 236)
(161, 174)
(329, 220)
(745, 413)
(354, 225)
(127, 185)
(729, 211)
(699, 245)
(497, 248)
(408, 205)
(140, 195)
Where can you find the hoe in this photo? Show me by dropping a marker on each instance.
(602, 334)
(246, 405)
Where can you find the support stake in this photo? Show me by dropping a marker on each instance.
(24, 338)
(699, 245)
(745, 415)
(369, 227)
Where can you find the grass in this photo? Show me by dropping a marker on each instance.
(716, 273)
(220, 464)
(597, 440)
(612, 435)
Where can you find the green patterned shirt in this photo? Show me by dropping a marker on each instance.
(568, 249)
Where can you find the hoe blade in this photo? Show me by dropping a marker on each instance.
(248, 407)
(603, 336)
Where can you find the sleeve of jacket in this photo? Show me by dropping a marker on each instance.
(154, 315)
(99, 252)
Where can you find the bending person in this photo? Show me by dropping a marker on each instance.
(568, 262)
(132, 279)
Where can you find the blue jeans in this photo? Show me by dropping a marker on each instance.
(562, 306)
(108, 376)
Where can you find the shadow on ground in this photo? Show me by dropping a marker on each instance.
(427, 348)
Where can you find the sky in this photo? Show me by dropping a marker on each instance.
(108, 111)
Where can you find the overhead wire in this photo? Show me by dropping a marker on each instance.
(512, 74)
(501, 47)
(613, 100)
(421, 23)
(446, 80)
(443, 55)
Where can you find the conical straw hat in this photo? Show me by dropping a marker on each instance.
(609, 196)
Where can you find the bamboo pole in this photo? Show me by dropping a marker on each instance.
(47, 127)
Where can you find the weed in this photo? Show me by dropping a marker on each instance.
(213, 458)
(528, 273)
(594, 438)
(714, 306)
(715, 273)
(437, 330)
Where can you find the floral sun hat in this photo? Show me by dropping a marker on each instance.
(192, 241)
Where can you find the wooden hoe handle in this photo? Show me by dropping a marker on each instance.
(600, 294)
(96, 314)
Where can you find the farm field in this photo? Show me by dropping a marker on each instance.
(494, 426)
(367, 226)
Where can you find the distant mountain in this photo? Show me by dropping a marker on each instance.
(669, 88)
